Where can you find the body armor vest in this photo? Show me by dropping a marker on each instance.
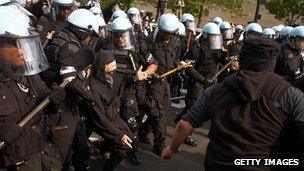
(51, 52)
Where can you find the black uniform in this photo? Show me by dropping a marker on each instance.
(25, 146)
(47, 25)
(204, 69)
(158, 100)
(65, 58)
(290, 64)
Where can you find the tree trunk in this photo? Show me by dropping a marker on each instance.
(200, 15)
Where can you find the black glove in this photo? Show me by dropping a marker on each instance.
(155, 78)
(9, 132)
(57, 94)
(208, 82)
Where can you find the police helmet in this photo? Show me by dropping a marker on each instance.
(286, 31)
(211, 32)
(117, 14)
(217, 20)
(81, 22)
(120, 29)
(168, 23)
(63, 2)
(269, 32)
(14, 32)
(181, 30)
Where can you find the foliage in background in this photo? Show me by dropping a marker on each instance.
(292, 11)
(196, 7)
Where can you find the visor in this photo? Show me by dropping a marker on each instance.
(22, 55)
(227, 34)
(135, 19)
(215, 41)
(122, 40)
(190, 25)
(300, 43)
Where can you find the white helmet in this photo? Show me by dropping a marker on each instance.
(217, 20)
(181, 29)
(117, 14)
(63, 2)
(212, 33)
(83, 19)
(239, 27)
(96, 11)
(254, 27)
(20, 10)
(120, 29)
(226, 30)
(15, 33)
(134, 15)
(269, 32)
(189, 21)
(296, 37)
(100, 21)
(133, 11)
(168, 23)
(225, 25)
(187, 17)
(286, 31)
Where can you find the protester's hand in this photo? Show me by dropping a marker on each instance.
(141, 75)
(167, 153)
(126, 141)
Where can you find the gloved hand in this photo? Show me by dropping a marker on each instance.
(154, 78)
(208, 82)
(57, 94)
(9, 132)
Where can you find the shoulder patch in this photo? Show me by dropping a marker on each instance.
(73, 48)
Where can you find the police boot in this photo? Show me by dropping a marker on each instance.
(135, 157)
(190, 141)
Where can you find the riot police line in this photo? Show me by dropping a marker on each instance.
(116, 74)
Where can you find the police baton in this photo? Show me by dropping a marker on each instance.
(188, 64)
(222, 69)
(36, 110)
(48, 38)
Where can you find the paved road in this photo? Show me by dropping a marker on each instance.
(190, 158)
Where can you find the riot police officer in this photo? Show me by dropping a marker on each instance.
(21, 59)
(284, 34)
(60, 10)
(290, 60)
(67, 55)
(203, 52)
(252, 30)
(166, 50)
(129, 61)
(269, 32)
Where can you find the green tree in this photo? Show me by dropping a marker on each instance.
(289, 10)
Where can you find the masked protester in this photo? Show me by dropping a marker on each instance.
(21, 59)
(290, 60)
(55, 21)
(103, 105)
(240, 109)
(68, 53)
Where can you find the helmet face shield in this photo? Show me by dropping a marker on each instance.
(135, 18)
(227, 34)
(22, 55)
(122, 40)
(215, 41)
(190, 25)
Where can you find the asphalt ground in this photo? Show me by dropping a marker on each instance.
(189, 158)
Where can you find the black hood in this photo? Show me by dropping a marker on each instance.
(250, 85)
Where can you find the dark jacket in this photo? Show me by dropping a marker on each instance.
(15, 105)
(248, 111)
